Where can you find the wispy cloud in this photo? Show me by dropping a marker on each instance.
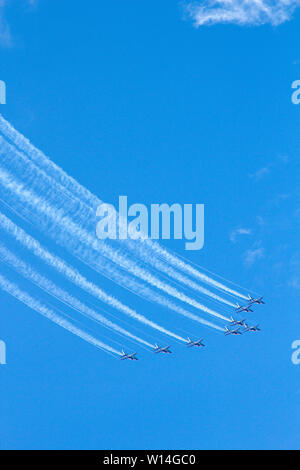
(294, 283)
(239, 231)
(253, 255)
(294, 268)
(279, 162)
(297, 214)
(261, 221)
(5, 33)
(241, 12)
(5, 36)
(259, 174)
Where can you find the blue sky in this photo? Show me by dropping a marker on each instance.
(131, 98)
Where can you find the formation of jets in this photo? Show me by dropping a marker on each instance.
(242, 327)
(242, 323)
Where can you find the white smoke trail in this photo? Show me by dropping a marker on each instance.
(74, 276)
(13, 289)
(182, 265)
(93, 202)
(56, 216)
(158, 264)
(31, 274)
(50, 167)
(39, 181)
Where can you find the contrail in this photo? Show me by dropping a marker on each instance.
(182, 265)
(57, 217)
(36, 177)
(50, 167)
(158, 264)
(32, 275)
(73, 275)
(39, 180)
(93, 202)
(13, 289)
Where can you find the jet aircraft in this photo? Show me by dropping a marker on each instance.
(198, 343)
(251, 328)
(245, 308)
(237, 322)
(164, 350)
(232, 332)
(131, 357)
(252, 300)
